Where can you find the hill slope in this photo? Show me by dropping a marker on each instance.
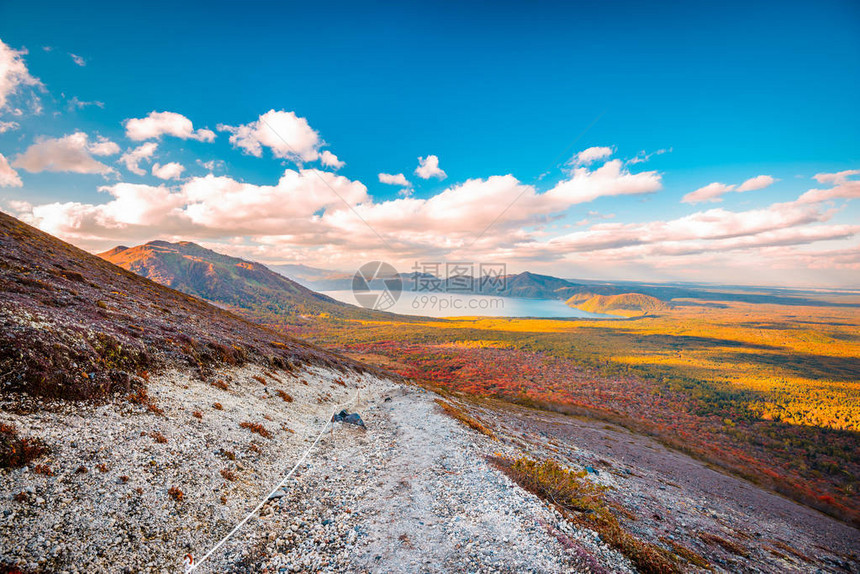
(625, 304)
(73, 325)
(244, 286)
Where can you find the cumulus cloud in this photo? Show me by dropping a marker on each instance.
(133, 157)
(394, 179)
(286, 134)
(301, 214)
(756, 183)
(710, 192)
(429, 167)
(157, 124)
(8, 176)
(328, 159)
(172, 170)
(610, 179)
(103, 146)
(78, 60)
(72, 153)
(843, 187)
(15, 78)
(589, 156)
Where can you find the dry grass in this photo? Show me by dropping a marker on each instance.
(690, 556)
(218, 406)
(256, 428)
(583, 502)
(794, 552)
(159, 438)
(727, 545)
(141, 397)
(16, 451)
(43, 469)
(228, 474)
(461, 415)
(284, 395)
(176, 494)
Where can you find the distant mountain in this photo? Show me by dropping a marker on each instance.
(311, 277)
(625, 304)
(244, 286)
(75, 326)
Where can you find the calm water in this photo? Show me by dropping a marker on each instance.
(454, 305)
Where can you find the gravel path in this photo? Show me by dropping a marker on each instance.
(414, 493)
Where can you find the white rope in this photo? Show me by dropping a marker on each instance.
(191, 565)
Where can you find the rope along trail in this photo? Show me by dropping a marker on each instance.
(191, 565)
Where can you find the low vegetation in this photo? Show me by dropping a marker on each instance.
(584, 503)
(460, 414)
(16, 451)
(256, 428)
(768, 391)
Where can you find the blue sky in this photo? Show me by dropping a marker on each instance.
(728, 91)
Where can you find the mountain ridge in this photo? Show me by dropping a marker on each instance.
(76, 326)
(244, 286)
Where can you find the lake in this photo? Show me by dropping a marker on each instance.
(460, 305)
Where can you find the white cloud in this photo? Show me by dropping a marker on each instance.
(103, 146)
(836, 178)
(8, 176)
(429, 167)
(286, 134)
(713, 192)
(76, 104)
(394, 179)
(170, 170)
(756, 183)
(644, 156)
(302, 210)
(212, 164)
(328, 159)
(8, 126)
(72, 153)
(14, 77)
(610, 179)
(843, 187)
(157, 124)
(78, 60)
(133, 157)
(710, 192)
(589, 156)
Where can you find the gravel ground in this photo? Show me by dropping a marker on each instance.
(675, 497)
(413, 493)
(107, 507)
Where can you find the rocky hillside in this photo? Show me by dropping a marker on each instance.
(138, 423)
(244, 286)
(73, 325)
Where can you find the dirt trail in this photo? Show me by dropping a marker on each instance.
(415, 494)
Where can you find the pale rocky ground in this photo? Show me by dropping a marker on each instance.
(94, 522)
(412, 493)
